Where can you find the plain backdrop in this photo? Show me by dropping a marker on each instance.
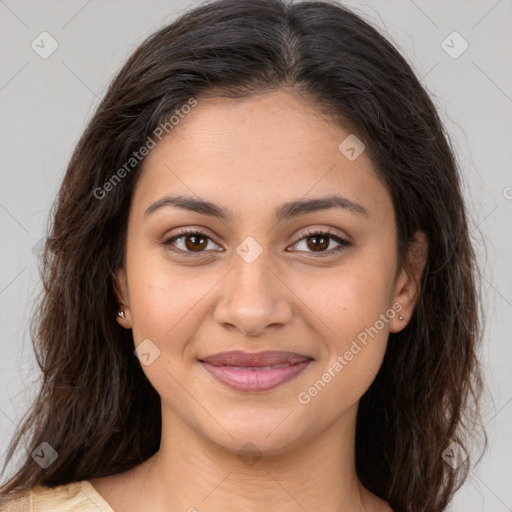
(46, 102)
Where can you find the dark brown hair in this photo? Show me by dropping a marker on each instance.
(97, 409)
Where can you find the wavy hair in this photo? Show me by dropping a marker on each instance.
(95, 406)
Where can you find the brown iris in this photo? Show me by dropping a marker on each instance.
(198, 243)
(323, 244)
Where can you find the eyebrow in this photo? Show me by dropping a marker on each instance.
(284, 212)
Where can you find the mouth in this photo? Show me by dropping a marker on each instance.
(260, 371)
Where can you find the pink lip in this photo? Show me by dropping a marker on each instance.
(245, 371)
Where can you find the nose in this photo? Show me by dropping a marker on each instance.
(254, 298)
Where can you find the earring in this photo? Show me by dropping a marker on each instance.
(120, 313)
(400, 317)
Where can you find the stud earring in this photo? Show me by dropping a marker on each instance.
(120, 313)
(401, 317)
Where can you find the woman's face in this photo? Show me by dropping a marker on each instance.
(253, 281)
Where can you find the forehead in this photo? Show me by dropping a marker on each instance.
(257, 152)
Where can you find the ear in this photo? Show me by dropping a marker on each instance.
(408, 281)
(122, 296)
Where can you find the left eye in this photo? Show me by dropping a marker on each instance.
(317, 242)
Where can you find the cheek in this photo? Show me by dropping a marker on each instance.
(166, 302)
(355, 343)
(352, 315)
(348, 300)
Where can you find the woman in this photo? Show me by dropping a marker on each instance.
(259, 285)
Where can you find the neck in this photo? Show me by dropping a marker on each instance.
(190, 473)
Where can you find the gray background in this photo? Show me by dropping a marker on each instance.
(45, 103)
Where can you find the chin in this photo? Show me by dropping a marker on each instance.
(267, 436)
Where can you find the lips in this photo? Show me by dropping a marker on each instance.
(255, 359)
(246, 371)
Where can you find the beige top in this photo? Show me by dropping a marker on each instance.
(74, 497)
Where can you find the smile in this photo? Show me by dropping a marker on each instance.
(245, 371)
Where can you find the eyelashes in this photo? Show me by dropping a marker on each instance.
(325, 236)
(191, 239)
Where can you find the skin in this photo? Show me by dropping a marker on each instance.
(251, 156)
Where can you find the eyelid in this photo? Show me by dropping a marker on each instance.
(342, 241)
(320, 231)
(182, 232)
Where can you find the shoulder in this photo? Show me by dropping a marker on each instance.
(73, 497)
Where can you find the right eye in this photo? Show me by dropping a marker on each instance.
(189, 241)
